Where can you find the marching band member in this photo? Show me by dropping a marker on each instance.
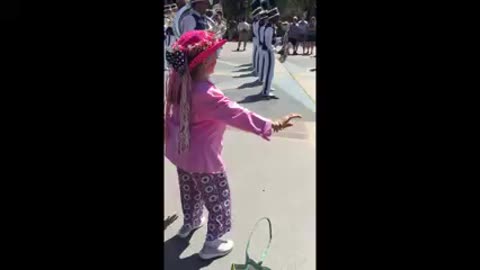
(196, 19)
(180, 3)
(261, 53)
(269, 52)
(255, 35)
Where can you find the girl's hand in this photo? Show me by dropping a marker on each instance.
(284, 122)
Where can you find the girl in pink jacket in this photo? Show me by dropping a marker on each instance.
(196, 117)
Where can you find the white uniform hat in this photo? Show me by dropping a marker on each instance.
(273, 13)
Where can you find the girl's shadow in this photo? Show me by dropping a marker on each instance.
(173, 248)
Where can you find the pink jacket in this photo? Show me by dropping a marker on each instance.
(211, 112)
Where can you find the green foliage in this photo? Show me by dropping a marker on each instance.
(296, 7)
(234, 9)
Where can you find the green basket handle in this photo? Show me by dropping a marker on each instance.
(265, 251)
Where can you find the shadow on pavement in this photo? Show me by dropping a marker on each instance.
(255, 98)
(173, 248)
(245, 65)
(251, 74)
(244, 69)
(249, 85)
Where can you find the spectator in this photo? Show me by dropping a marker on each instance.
(231, 30)
(280, 29)
(293, 34)
(303, 25)
(311, 35)
(243, 30)
(217, 18)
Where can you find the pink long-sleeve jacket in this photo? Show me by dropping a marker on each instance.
(211, 112)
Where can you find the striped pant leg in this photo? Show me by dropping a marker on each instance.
(269, 71)
(259, 62)
(262, 65)
(254, 56)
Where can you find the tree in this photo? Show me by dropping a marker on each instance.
(295, 7)
(232, 8)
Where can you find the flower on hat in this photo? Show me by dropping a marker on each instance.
(196, 46)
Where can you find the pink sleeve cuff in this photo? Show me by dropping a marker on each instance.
(267, 130)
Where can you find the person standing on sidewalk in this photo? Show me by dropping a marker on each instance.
(269, 48)
(256, 9)
(311, 36)
(303, 26)
(261, 54)
(196, 19)
(180, 3)
(244, 31)
(255, 41)
(197, 115)
(294, 34)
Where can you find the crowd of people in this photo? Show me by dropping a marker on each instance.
(300, 33)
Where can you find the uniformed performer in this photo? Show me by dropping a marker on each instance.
(261, 52)
(196, 19)
(180, 3)
(255, 13)
(269, 52)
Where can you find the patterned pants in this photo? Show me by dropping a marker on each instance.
(209, 190)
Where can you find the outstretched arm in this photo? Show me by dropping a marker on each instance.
(221, 108)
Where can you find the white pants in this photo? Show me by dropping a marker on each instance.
(259, 60)
(254, 54)
(268, 70)
(262, 60)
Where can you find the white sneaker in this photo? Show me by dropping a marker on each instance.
(215, 249)
(269, 95)
(186, 230)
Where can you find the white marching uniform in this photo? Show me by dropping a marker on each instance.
(261, 52)
(269, 58)
(195, 21)
(255, 47)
